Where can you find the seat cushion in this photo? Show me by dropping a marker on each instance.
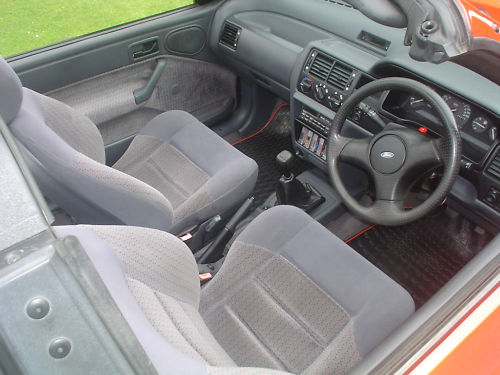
(292, 296)
(195, 169)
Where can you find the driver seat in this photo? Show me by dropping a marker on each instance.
(290, 298)
(175, 174)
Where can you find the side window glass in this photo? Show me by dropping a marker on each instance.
(29, 24)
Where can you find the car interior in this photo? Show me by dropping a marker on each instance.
(253, 187)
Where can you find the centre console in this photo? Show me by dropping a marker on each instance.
(323, 85)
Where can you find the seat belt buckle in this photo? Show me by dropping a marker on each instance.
(186, 237)
(205, 277)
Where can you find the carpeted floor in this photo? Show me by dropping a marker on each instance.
(264, 147)
(424, 255)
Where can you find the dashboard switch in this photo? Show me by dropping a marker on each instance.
(306, 85)
(493, 198)
(321, 92)
(335, 100)
(493, 133)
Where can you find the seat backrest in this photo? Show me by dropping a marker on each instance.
(153, 279)
(73, 127)
(65, 152)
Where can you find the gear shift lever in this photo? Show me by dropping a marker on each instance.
(285, 163)
(292, 191)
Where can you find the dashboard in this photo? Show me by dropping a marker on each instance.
(315, 53)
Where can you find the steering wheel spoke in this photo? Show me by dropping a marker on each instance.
(425, 154)
(391, 187)
(356, 152)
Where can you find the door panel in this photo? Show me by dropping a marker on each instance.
(113, 76)
(69, 62)
(110, 99)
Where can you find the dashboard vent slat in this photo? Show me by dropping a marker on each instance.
(497, 175)
(321, 66)
(340, 76)
(494, 167)
(330, 71)
(230, 35)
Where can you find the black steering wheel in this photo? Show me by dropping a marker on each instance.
(396, 157)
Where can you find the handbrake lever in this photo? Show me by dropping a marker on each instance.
(216, 248)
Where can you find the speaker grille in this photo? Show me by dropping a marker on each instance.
(188, 40)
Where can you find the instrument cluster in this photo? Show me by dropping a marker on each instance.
(468, 119)
(475, 124)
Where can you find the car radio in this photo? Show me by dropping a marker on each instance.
(312, 132)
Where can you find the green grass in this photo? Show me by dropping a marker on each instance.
(29, 24)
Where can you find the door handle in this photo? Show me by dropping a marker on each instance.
(149, 49)
(144, 48)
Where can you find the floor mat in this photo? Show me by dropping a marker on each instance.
(424, 255)
(264, 147)
(347, 226)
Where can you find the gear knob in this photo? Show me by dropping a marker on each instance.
(284, 160)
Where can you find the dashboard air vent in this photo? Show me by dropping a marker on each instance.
(330, 71)
(230, 35)
(321, 66)
(494, 167)
(340, 76)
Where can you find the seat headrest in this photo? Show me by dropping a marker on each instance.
(11, 93)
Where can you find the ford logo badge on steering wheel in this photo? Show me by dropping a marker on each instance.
(387, 155)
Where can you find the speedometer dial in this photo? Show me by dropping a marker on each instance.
(460, 109)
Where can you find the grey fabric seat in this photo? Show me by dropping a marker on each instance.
(175, 173)
(289, 297)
